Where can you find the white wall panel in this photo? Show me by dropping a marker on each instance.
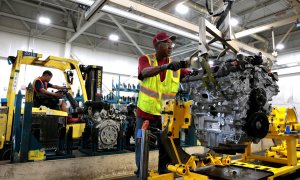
(288, 58)
(289, 85)
(10, 43)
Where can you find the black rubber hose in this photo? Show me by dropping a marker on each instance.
(223, 16)
(72, 101)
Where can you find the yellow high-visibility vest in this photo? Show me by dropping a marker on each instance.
(153, 92)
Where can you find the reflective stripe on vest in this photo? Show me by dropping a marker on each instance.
(167, 96)
(153, 92)
(175, 74)
(149, 92)
(35, 90)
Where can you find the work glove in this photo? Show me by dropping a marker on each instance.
(174, 66)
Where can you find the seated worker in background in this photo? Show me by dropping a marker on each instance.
(42, 97)
(159, 79)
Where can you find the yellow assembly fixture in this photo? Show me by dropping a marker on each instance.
(283, 127)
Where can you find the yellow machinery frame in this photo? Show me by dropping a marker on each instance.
(280, 119)
(176, 116)
(28, 58)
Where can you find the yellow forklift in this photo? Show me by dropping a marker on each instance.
(90, 80)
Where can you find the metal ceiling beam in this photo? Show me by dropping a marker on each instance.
(269, 17)
(88, 24)
(15, 12)
(33, 21)
(92, 19)
(37, 6)
(286, 34)
(183, 52)
(167, 18)
(280, 36)
(81, 16)
(68, 29)
(262, 5)
(126, 34)
(296, 5)
(167, 7)
(196, 7)
(171, 5)
(48, 28)
(267, 27)
(60, 6)
(57, 6)
(202, 10)
(80, 19)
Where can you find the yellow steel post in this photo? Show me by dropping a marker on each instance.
(11, 93)
(291, 151)
(247, 153)
(81, 81)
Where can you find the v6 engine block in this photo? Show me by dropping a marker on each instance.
(106, 121)
(232, 110)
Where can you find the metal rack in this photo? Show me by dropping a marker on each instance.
(115, 98)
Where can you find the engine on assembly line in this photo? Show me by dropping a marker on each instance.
(231, 107)
(105, 123)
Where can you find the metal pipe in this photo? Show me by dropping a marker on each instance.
(126, 34)
(286, 34)
(144, 159)
(273, 41)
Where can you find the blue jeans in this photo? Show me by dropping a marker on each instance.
(163, 158)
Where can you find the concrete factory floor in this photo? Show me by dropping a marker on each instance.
(116, 166)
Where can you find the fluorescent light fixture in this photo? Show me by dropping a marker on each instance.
(44, 20)
(181, 8)
(150, 22)
(298, 24)
(234, 22)
(279, 46)
(84, 2)
(113, 37)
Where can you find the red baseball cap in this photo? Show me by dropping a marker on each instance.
(162, 36)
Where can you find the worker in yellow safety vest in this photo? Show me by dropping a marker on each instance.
(159, 80)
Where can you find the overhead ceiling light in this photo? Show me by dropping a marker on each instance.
(279, 46)
(234, 22)
(84, 2)
(113, 37)
(44, 20)
(181, 8)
